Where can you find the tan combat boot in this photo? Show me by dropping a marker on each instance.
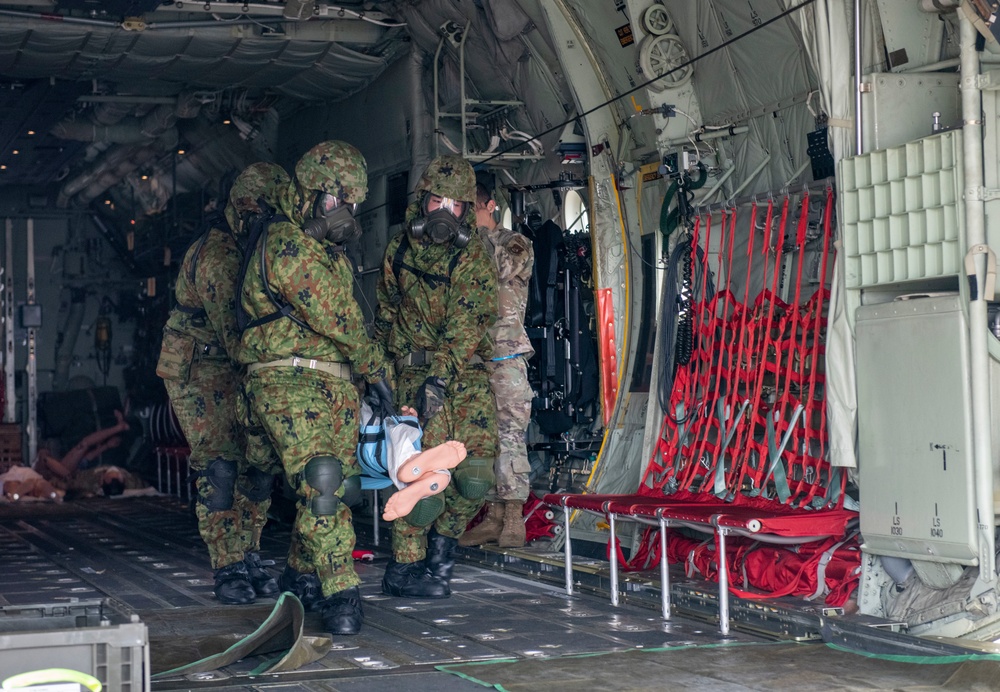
(512, 535)
(486, 531)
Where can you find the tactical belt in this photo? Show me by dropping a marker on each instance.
(341, 370)
(419, 358)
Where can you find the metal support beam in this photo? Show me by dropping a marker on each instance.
(31, 368)
(979, 359)
(10, 409)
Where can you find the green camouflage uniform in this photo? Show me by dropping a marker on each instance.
(304, 413)
(451, 319)
(197, 364)
(514, 259)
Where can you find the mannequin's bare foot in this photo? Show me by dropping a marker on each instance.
(39, 487)
(402, 501)
(447, 455)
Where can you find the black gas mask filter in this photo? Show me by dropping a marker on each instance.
(441, 226)
(332, 220)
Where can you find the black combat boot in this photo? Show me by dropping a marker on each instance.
(306, 587)
(260, 579)
(232, 585)
(412, 580)
(440, 560)
(342, 612)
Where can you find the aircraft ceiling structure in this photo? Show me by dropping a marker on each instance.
(100, 96)
(110, 100)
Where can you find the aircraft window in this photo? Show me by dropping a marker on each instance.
(575, 217)
(506, 218)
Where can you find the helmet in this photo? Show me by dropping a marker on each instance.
(336, 168)
(257, 180)
(333, 180)
(449, 176)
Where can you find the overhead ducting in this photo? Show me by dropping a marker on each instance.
(109, 177)
(155, 133)
(115, 165)
(130, 131)
(111, 112)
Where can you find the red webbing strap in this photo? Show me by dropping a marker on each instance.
(831, 566)
(718, 423)
(784, 347)
(646, 555)
(741, 468)
(702, 358)
(737, 367)
(815, 462)
(800, 242)
(699, 353)
(679, 413)
(655, 468)
(708, 424)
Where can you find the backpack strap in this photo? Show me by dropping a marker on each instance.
(433, 280)
(258, 237)
(214, 219)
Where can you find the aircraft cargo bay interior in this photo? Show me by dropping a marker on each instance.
(442, 344)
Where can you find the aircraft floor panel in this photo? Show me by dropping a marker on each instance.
(144, 554)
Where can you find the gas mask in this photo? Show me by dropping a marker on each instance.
(332, 220)
(441, 225)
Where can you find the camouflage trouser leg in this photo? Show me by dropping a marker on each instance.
(469, 416)
(509, 381)
(260, 455)
(307, 414)
(205, 408)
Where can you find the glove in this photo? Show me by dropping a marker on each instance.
(380, 398)
(430, 398)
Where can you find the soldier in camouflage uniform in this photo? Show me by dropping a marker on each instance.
(514, 258)
(198, 366)
(306, 336)
(437, 300)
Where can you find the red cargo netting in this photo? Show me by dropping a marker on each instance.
(747, 414)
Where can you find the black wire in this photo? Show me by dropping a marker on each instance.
(643, 85)
(674, 301)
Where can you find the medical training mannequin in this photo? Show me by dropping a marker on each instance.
(420, 475)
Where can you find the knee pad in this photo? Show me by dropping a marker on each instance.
(221, 477)
(352, 491)
(324, 475)
(425, 511)
(257, 485)
(474, 477)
